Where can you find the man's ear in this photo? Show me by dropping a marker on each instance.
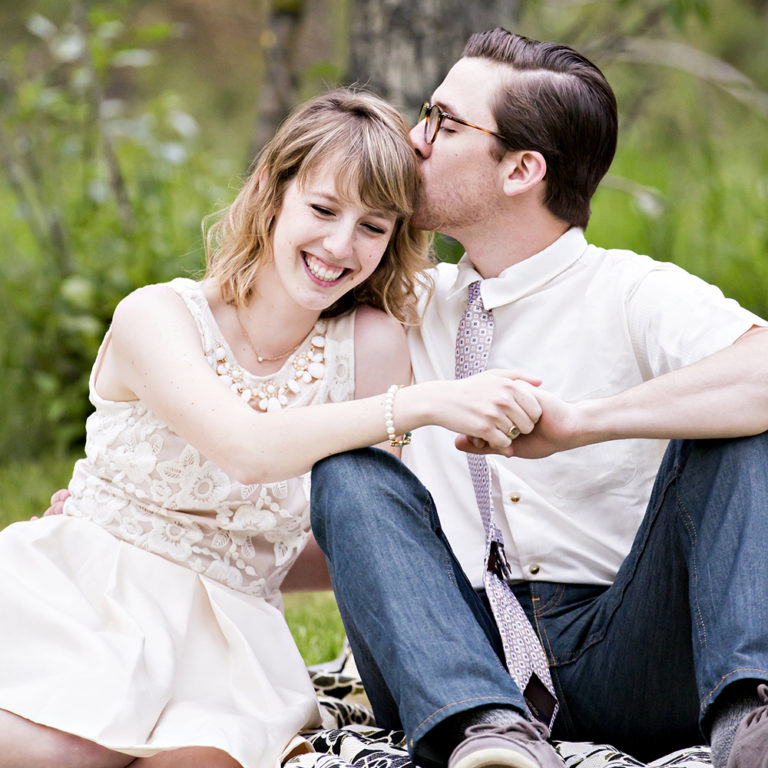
(522, 170)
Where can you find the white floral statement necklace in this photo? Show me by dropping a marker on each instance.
(272, 394)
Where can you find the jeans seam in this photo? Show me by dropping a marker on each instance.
(495, 699)
(553, 602)
(693, 572)
(428, 514)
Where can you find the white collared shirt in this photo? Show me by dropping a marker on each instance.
(590, 323)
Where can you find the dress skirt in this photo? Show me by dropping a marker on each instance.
(127, 649)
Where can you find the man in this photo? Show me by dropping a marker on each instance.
(649, 601)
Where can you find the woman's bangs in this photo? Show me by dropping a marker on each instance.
(368, 168)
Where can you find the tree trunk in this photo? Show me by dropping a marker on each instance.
(302, 57)
(401, 49)
(279, 84)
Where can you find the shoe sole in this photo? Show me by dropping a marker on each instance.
(496, 758)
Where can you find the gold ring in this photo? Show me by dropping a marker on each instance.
(513, 432)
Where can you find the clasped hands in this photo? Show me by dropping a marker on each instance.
(517, 417)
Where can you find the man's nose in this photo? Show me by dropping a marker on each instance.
(417, 139)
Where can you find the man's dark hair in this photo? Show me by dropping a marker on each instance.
(558, 103)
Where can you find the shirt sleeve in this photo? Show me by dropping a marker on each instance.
(676, 319)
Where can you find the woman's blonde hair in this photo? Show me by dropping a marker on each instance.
(368, 140)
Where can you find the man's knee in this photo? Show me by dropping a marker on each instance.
(343, 486)
(343, 468)
(346, 474)
(751, 451)
(358, 493)
(718, 479)
(713, 457)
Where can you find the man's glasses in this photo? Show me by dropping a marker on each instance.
(433, 118)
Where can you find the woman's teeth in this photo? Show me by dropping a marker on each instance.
(321, 272)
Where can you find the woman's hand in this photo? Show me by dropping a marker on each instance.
(485, 408)
(57, 503)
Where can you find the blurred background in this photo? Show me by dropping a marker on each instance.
(123, 123)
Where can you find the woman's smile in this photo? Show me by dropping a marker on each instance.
(321, 271)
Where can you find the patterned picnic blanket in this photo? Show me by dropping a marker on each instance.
(350, 739)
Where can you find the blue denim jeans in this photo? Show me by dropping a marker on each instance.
(637, 664)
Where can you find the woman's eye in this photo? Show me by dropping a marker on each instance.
(322, 210)
(375, 228)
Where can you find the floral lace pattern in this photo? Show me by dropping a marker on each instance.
(147, 486)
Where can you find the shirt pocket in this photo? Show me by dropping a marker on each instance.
(591, 470)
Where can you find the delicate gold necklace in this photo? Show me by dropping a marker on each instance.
(276, 392)
(263, 358)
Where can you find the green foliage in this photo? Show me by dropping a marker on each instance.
(678, 11)
(97, 198)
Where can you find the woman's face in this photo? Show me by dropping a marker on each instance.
(324, 245)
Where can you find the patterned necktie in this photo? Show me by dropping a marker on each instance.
(526, 660)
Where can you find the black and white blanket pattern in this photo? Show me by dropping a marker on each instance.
(349, 737)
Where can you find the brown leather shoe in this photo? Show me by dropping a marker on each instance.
(750, 744)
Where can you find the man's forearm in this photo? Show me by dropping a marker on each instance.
(723, 395)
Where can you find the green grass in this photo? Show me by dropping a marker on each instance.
(26, 487)
(316, 625)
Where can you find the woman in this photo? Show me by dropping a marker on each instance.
(143, 625)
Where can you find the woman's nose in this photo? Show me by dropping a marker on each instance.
(339, 242)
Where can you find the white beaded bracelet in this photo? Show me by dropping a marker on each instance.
(389, 419)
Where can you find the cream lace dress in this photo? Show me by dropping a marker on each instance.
(148, 616)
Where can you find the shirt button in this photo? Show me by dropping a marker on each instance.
(514, 498)
(533, 569)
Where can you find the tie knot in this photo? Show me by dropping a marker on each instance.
(473, 295)
(476, 306)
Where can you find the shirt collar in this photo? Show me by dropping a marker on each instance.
(524, 277)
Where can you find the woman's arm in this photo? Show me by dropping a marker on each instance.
(381, 359)
(155, 355)
(381, 353)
